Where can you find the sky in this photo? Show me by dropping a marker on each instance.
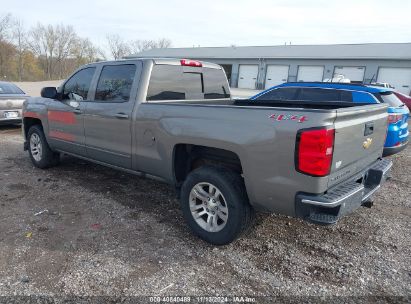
(224, 22)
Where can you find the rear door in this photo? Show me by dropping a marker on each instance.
(108, 118)
(66, 116)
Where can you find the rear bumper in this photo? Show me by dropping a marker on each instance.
(393, 150)
(344, 198)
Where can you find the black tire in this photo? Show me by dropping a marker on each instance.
(231, 186)
(48, 158)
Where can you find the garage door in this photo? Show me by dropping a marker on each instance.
(355, 74)
(399, 78)
(275, 75)
(310, 73)
(247, 76)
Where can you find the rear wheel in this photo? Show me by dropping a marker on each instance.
(40, 153)
(215, 204)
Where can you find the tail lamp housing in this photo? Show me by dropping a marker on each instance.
(314, 151)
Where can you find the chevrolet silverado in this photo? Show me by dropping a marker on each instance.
(174, 120)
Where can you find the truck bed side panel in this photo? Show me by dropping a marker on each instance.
(264, 145)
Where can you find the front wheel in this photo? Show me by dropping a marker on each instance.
(40, 153)
(215, 204)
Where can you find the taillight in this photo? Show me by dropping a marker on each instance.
(193, 63)
(314, 151)
(394, 118)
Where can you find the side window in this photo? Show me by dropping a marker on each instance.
(77, 87)
(315, 94)
(215, 84)
(280, 94)
(114, 84)
(363, 97)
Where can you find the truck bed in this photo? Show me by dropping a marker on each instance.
(300, 104)
(332, 105)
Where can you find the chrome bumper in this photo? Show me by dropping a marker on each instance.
(344, 198)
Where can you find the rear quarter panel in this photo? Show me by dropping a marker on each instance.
(264, 145)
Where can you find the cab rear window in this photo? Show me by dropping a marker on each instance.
(173, 82)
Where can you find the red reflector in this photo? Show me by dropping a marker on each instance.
(315, 151)
(193, 63)
(394, 118)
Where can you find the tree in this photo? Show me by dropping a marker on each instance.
(43, 42)
(138, 46)
(65, 42)
(6, 48)
(118, 48)
(20, 42)
(85, 52)
(5, 23)
(7, 52)
(163, 43)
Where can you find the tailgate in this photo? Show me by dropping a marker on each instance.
(359, 139)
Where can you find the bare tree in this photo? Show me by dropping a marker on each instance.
(85, 52)
(163, 43)
(118, 48)
(64, 44)
(5, 23)
(43, 42)
(20, 42)
(138, 46)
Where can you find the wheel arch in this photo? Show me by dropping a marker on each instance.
(187, 157)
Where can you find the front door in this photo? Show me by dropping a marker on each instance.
(108, 119)
(66, 116)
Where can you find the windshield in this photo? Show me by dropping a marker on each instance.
(391, 99)
(9, 88)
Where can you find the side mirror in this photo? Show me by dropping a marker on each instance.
(49, 92)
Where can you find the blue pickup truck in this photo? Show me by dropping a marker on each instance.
(397, 135)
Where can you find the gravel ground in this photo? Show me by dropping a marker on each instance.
(106, 233)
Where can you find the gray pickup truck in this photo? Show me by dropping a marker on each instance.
(174, 120)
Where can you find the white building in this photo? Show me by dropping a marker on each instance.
(259, 67)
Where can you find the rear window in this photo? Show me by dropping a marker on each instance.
(391, 99)
(215, 84)
(173, 82)
(9, 88)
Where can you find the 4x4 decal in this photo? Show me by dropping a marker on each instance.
(280, 117)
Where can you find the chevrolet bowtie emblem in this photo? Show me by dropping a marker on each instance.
(367, 143)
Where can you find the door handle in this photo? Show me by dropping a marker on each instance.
(77, 111)
(122, 116)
